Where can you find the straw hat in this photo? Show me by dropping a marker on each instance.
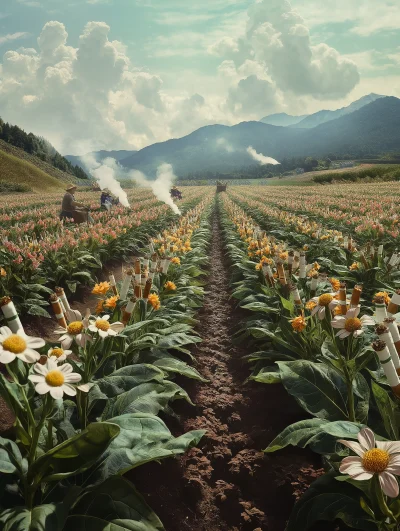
(71, 187)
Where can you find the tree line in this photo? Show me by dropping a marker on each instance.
(39, 147)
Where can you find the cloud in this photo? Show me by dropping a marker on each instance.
(13, 37)
(278, 40)
(30, 3)
(259, 157)
(365, 17)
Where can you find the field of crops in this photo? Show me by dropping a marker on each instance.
(235, 368)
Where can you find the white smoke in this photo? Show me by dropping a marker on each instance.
(259, 157)
(161, 186)
(224, 144)
(105, 173)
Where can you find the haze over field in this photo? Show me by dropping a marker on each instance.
(89, 80)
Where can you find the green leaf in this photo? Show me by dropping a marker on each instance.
(49, 517)
(387, 410)
(287, 304)
(115, 505)
(329, 500)
(76, 454)
(361, 392)
(260, 307)
(10, 456)
(124, 380)
(266, 376)
(145, 398)
(38, 311)
(316, 387)
(298, 434)
(143, 438)
(180, 367)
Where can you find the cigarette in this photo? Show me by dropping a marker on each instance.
(384, 334)
(394, 332)
(388, 367)
(10, 314)
(290, 261)
(126, 283)
(343, 298)
(355, 296)
(113, 284)
(281, 273)
(380, 309)
(57, 309)
(147, 288)
(295, 295)
(302, 266)
(137, 266)
(394, 303)
(127, 313)
(61, 293)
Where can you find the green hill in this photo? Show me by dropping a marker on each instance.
(16, 171)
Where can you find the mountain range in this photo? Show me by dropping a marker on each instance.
(309, 121)
(101, 155)
(369, 126)
(372, 129)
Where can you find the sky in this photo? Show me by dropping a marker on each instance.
(124, 74)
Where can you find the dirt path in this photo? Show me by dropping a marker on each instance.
(227, 484)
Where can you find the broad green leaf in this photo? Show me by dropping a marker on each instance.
(316, 387)
(329, 500)
(266, 376)
(174, 365)
(387, 409)
(10, 457)
(76, 454)
(115, 505)
(143, 438)
(362, 393)
(145, 398)
(124, 380)
(49, 517)
(298, 434)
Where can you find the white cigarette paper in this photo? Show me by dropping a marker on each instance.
(12, 318)
(388, 367)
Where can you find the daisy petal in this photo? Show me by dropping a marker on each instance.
(69, 390)
(56, 392)
(366, 438)
(35, 342)
(389, 484)
(36, 378)
(353, 446)
(42, 388)
(391, 447)
(6, 357)
(351, 466)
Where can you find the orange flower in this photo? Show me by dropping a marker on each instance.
(259, 266)
(298, 324)
(170, 286)
(311, 305)
(3, 272)
(154, 300)
(111, 302)
(385, 295)
(335, 283)
(99, 307)
(176, 261)
(354, 266)
(101, 289)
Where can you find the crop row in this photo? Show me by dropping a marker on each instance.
(334, 344)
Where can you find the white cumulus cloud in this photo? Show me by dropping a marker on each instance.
(259, 157)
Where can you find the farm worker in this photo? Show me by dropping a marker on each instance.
(105, 200)
(68, 205)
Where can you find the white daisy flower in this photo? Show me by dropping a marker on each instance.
(324, 301)
(19, 346)
(374, 457)
(350, 324)
(58, 353)
(104, 328)
(56, 380)
(74, 331)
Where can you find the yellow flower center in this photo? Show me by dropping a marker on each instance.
(75, 328)
(103, 325)
(55, 378)
(15, 344)
(57, 352)
(352, 324)
(325, 299)
(375, 460)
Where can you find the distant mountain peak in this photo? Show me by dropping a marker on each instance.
(282, 119)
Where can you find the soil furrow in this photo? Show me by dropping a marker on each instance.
(227, 484)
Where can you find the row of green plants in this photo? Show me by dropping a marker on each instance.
(333, 344)
(30, 283)
(373, 173)
(87, 409)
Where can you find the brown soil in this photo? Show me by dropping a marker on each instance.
(228, 483)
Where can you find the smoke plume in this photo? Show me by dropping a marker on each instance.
(105, 174)
(161, 186)
(259, 157)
